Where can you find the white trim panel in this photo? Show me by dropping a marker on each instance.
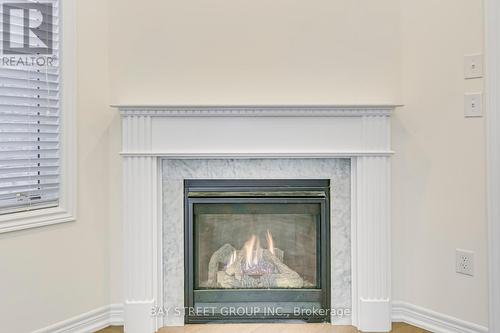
(340, 133)
(492, 58)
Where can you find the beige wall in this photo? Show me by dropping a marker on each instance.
(265, 52)
(53, 273)
(439, 166)
(240, 51)
(409, 52)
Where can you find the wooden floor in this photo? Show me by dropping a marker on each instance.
(266, 328)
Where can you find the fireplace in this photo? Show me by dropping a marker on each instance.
(257, 250)
(349, 145)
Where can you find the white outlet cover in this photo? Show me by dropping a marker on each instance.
(473, 105)
(473, 66)
(464, 262)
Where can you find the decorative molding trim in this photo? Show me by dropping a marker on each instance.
(195, 156)
(137, 132)
(91, 321)
(431, 320)
(492, 84)
(66, 210)
(354, 244)
(34, 219)
(257, 111)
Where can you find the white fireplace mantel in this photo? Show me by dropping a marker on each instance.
(153, 133)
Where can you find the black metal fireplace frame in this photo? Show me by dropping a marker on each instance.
(257, 191)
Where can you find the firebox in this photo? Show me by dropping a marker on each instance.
(257, 250)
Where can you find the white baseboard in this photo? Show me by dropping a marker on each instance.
(116, 315)
(431, 320)
(112, 315)
(91, 321)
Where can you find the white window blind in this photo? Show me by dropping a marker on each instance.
(30, 126)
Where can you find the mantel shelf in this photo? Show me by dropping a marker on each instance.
(258, 110)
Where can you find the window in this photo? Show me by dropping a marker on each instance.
(36, 114)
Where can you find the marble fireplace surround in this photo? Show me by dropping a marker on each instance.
(162, 144)
(175, 171)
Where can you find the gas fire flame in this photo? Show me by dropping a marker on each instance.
(253, 252)
(270, 243)
(248, 249)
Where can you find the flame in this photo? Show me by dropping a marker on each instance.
(270, 242)
(257, 254)
(248, 249)
(253, 253)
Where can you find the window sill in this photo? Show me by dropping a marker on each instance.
(34, 219)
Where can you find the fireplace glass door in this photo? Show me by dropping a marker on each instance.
(269, 243)
(261, 244)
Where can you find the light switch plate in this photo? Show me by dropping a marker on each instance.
(473, 105)
(473, 66)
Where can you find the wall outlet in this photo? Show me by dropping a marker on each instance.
(473, 105)
(464, 262)
(473, 66)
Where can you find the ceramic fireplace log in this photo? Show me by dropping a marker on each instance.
(233, 275)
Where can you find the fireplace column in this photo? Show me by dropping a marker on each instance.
(140, 225)
(373, 244)
(372, 221)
